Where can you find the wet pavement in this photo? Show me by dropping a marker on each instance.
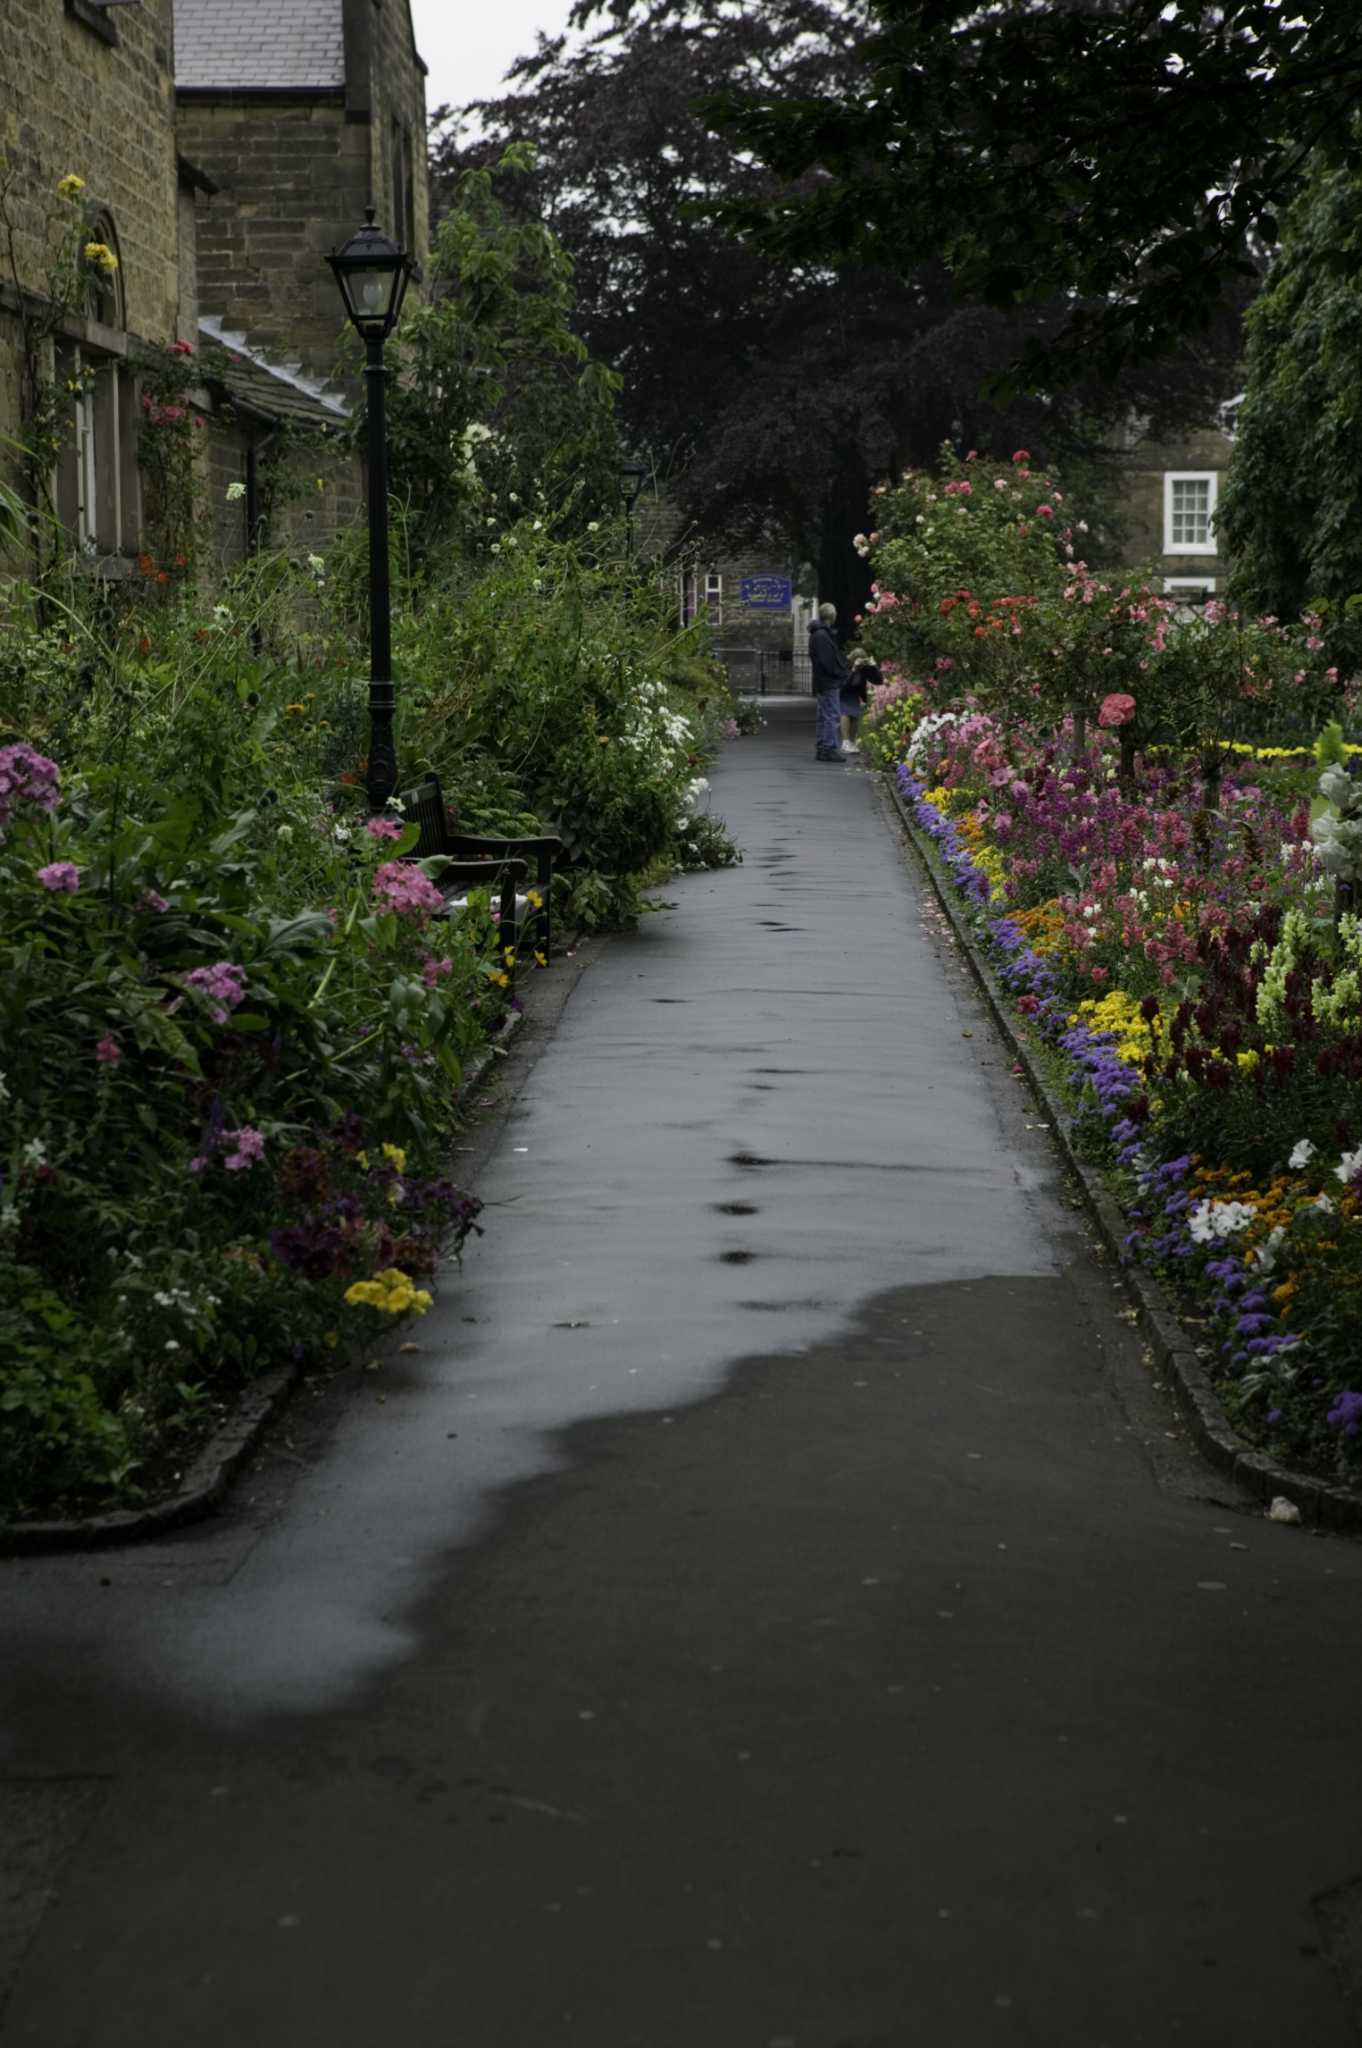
(774, 1606)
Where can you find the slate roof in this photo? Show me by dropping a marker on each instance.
(277, 391)
(259, 45)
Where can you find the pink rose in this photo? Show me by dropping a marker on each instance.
(1117, 709)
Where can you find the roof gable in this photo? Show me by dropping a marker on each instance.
(259, 45)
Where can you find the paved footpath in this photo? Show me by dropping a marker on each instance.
(773, 1608)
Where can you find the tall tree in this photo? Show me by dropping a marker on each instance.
(1123, 152)
(774, 387)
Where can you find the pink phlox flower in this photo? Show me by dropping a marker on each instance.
(108, 1052)
(222, 987)
(249, 1146)
(1045, 511)
(152, 901)
(400, 887)
(433, 971)
(26, 777)
(1022, 455)
(383, 828)
(60, 876)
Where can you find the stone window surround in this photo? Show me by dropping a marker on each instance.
(1205, 584)
(97, 343)
(94, 15)
(1211, 478)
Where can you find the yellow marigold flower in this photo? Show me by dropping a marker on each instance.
(1284, 1293)
(70, 187)
(102, 256)
(501, 980)
(395, 1156)
(534, 899)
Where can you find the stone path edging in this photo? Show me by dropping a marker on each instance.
(226, 1451)
(1331, 1506)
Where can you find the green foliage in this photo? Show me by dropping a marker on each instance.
(492, 391)
(1291, 509)
(202, 978)
(553, 687)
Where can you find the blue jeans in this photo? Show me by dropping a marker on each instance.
(828, 717)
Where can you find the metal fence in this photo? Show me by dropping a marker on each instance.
(761, 671)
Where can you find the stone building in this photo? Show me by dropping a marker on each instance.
(1169, 493)
(301, 113)
(87, 94)
(306, 112)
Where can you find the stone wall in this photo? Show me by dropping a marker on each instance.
(72, 101)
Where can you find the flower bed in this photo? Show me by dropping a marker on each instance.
(1148, 850)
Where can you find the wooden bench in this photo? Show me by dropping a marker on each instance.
(474, 857)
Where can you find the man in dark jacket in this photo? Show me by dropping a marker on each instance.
(830, 673)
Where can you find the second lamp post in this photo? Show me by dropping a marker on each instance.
(373, 272)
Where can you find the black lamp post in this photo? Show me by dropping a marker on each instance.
(373, 273)
(633, 476)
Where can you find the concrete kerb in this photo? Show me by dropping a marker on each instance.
(223, 1456)
(1320, 1502)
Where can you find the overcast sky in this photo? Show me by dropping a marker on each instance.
(470, 44)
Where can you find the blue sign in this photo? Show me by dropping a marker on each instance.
(765, 593)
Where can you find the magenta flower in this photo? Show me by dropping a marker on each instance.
(433, 971)
(60, 876)
(383, 828)
(108, 1052)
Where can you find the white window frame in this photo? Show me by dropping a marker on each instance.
(1210, 477)
(1204, 583)
(98, 484)
(714, 596)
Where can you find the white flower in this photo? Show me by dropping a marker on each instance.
(235, 491)
(1210, 1220)
(223, 614)
(1349, 1166)
(1301, 1155)
(170, 1345)
(1265, 1255)
(34, 1153)
(284, 833)
(317, 565)
(1323, 1204)
(593, 525)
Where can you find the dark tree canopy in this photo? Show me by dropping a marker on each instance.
(1126, 152)
(773, 386)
